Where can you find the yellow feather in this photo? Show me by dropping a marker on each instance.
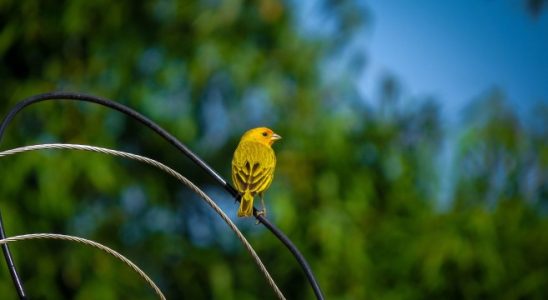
(253, 166)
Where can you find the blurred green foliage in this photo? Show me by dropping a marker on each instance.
(357, 186)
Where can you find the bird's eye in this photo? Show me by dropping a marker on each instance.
(265, 134)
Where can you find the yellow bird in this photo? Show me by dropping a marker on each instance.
(253, 167)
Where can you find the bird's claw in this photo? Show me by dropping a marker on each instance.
(260, 213)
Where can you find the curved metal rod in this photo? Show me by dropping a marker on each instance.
(54, 236)
(11, 265)
(181, 147)
(171, 172)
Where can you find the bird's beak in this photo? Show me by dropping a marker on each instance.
(276, 137)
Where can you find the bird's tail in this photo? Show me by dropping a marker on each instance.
(246, 205)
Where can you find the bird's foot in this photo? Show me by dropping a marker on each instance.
(261, 213)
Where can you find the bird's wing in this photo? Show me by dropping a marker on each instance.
(253, 167)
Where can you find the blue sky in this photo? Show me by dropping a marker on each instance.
(457, 50)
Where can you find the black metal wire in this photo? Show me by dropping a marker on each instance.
(11, 265)
(181, 147)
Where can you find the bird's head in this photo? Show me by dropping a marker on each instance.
(262, 135)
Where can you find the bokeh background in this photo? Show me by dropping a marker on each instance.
(414, 163)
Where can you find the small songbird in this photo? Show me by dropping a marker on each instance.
(253, 167)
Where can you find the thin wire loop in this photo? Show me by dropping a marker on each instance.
(35, 236)
(171, 172)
